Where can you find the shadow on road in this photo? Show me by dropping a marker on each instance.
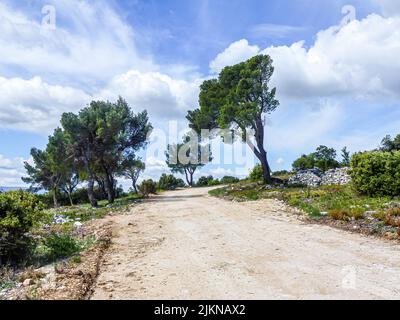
(172, 198)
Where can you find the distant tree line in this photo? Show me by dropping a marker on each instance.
(324, 158)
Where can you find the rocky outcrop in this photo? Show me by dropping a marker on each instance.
(316, 177)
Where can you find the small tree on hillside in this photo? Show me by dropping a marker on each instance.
(388, 144)
(323, 158)
(187, 157)
(51, 167)
(131, 169)
(346, 158)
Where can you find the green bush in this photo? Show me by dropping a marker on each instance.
(204, 181)
(376, 173)
(148, 187)
(323, 158)
(170, 182)
(61, 246)
(214, 182)
(229, 180)
(19, 213)
(257, 173)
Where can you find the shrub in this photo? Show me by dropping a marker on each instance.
(61, 245)
(323, 158)
(376, 173)
(148, 187)
(346, 215)
(214, 182)
(19, 212)
(257, 173)
(204, 181)
(169, 182)
(229, 180)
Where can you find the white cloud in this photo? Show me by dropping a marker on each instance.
(5, 163)
(306, 129)
(11, 172)
(268, 30)
(96, 43)
(280, 161)
(237, 52)
(161, 95)
(389, 7)
(34, 105)
(359, 59)
(155, 167)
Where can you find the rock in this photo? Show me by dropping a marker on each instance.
(60, 219)
(78, 225)
(316, 177)
(27, 283)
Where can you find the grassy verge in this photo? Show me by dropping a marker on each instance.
(378, 215)
(64, 240)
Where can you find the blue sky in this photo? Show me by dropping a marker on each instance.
(337, 82)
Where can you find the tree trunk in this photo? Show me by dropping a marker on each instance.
(55, 200)
(135, 187)
(261, 153)
(70, 198)
(90, 191)
(187, 178)
(191, 178)
(266, 168)
(109, 184)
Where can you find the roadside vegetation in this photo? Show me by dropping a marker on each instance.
(370, 204)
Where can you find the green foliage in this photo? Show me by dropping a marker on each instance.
(61, 245)
(346, 158)
(204, 181)
(148, 187)
(323, 158)
(170, 182)
(19, 213)
(214, 182)
(376, 173)
(229, 180)
(388, 144)
(208, 181)
(239, 99)
(101, 137)
(304, 162)
(257, 173)
(131, 169)
(187, 157)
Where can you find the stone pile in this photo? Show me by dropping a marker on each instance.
(336, 177)
(316, 177)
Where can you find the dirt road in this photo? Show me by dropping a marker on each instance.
(187, 245)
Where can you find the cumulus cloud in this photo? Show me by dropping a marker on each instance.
(237, 52)
(161, 95)
(11, 171)
(95, 44)
(358, 59)
(34, 105)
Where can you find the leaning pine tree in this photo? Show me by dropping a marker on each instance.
(239, 99)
